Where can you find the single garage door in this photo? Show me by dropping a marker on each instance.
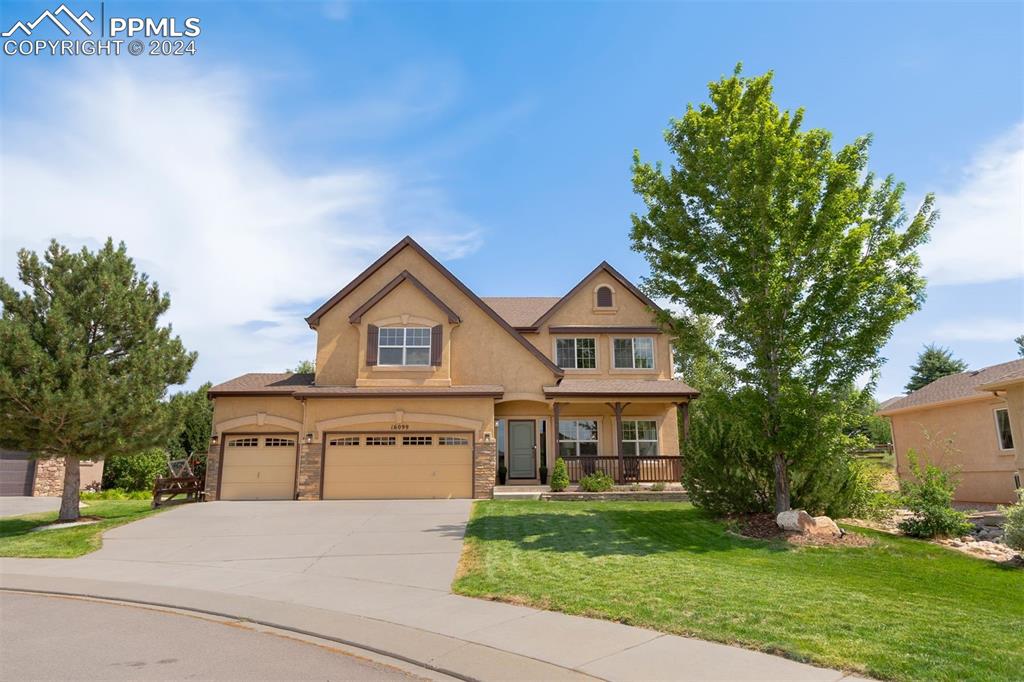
(259, 468)
(16, 470)
(408, 465)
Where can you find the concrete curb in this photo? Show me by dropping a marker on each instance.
(440, 653)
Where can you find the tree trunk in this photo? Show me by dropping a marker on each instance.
(781, 484)
(69, 499)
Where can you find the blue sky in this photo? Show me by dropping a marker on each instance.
(304, 138)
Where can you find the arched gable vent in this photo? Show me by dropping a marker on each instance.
(604, 297)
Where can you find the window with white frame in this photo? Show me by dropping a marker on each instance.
(345, 441)
(251, 442)
(417, 440)
(279, 443)
(576, 353)
(1003, 429)
(380, 440)
(634, 353)
(452, 440)
(403, 346)
(577, 437)
(640, 438)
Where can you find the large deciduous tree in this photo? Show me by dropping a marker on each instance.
(805, 260)
(84, 360)
(934, 362)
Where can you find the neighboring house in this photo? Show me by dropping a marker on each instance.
(970, 421)
(21, 474)
(421, 387)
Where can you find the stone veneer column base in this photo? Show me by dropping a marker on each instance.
(485, 469)
(310, 470)
(212, 471)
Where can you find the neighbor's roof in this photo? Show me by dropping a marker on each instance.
(521, 311)
(891, 401)
(622, 387)
(254, 383)
(1010, 378)
(962, 386)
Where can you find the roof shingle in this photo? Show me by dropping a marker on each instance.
(521, 311)
(961, 386)
(255, 382)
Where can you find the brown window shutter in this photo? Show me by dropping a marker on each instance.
(604, 297)
(435, 345)
(371, 344)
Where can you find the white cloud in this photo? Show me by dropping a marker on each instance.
(978, 329)
(980, 233)
(177, 166)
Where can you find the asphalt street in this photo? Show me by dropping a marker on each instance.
(56, 638)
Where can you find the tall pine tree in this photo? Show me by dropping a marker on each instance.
(933, 363)
(84, 360)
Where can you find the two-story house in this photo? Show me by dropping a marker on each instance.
(423, 389)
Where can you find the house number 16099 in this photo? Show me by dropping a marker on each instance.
(399, 427)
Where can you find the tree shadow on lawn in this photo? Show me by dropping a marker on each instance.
(598, 532)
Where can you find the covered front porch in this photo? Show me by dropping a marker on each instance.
(634, 438)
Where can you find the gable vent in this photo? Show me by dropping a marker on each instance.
(604, 297)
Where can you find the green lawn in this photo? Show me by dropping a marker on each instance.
(16, 540)
(900, 609)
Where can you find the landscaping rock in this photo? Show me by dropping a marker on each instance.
(823, 526)
(796, 520)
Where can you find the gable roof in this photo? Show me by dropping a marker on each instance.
(521, 311)
(314, 319)
(1014, 376)
(404, 276)
(603, 267)
(961, 386)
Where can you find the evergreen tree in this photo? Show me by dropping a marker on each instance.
(933, 363)
(84, 361)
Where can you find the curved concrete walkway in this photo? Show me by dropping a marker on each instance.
(374, 574)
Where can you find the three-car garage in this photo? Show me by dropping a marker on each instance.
(375, 465)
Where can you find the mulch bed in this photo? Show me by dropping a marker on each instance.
(762, 526)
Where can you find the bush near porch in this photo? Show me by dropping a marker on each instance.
(900, 609)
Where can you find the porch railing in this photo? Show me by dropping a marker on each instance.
(661, 469)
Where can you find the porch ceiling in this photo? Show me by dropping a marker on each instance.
(622, 388)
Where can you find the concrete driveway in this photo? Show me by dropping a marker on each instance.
(17, 506)
(401, 543)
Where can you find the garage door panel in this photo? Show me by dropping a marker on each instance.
(401, 470)
(259, 468)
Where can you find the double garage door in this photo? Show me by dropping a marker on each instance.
(355, 466)
(407, 465)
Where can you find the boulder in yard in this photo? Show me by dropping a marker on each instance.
(795, 520)
(823, 526)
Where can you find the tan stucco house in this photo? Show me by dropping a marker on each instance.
(973, 421)
(422, 388)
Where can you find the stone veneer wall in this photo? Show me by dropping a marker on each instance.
(49, 480)
(310, 456)
(485, 468)
(212, 470)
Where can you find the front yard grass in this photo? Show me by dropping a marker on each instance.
(17, 540)
(901, 609)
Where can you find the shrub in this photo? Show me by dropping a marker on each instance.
(658, 487)
(117, 494)
(1013, 531)
(930, 498)
(863, 497)
(597, 482)
(134, 472)
(559, 476)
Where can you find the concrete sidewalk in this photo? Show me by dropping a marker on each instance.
(374, 575)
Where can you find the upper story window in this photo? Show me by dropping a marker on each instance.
(576, 353)
(403, 346)
(604, 297)
(1003, 429)
(634, 353)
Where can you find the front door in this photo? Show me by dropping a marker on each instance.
(521, 446)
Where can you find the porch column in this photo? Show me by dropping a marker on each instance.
(685, 407)
(555, 407)
(617, 407)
